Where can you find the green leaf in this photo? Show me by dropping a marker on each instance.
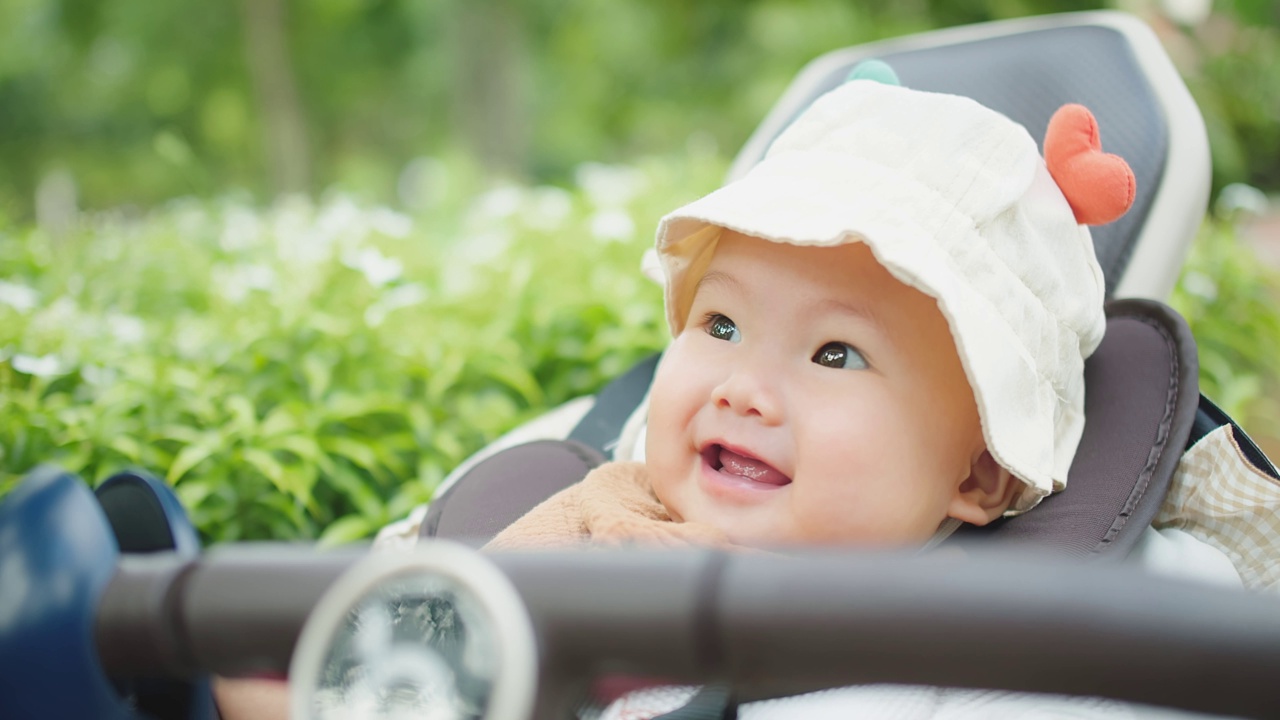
(444, 375)
(281, 419)
(193, 455)
(360, 494)
(303, 446)
(128, 447)
(319, 374)
(270, 468)
(353, 450)
(244, 419)
(345, 530)
(518, 379)
(193, 493)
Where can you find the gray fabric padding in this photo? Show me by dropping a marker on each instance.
(501, 488)
(1140, 404)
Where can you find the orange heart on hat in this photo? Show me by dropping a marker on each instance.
(1099, 186)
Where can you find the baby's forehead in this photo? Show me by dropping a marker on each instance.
(844, 278)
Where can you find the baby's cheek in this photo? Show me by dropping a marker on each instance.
(857, 485)
(843, 517)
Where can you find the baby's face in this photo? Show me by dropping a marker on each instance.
(811, 398)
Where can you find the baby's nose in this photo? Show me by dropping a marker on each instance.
(749, 393)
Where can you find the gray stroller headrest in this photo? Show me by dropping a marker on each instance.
(1140, 405)
(1027, 68)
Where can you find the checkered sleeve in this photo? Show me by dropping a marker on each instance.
(1221, 499)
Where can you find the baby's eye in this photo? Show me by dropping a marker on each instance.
(722, 328)
(840, 355)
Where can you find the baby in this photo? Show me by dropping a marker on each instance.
(879, 334)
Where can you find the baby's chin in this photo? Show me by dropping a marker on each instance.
(739, 533)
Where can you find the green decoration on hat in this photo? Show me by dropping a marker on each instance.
(877, 70)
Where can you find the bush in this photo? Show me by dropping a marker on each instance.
(314, 370)
(1229, 300)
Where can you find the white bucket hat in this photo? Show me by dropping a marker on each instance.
(954, 200)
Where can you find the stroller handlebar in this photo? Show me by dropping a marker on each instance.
(774, 625)
(236, 611)
(767, 624)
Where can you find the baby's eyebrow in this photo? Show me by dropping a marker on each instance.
(722, 278)
(861, 311)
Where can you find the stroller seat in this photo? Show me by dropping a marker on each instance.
(1111, 63)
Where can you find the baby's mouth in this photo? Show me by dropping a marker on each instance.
(744, 466)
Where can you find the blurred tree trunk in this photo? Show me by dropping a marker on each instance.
(284, 127)
(492, 112)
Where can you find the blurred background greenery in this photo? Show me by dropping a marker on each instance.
(302, 258)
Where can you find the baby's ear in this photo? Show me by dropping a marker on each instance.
(985, 494)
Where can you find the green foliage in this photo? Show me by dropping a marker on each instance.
(146, 100)
(152, 99)
(1229, 299)
(319, 366)
(1234, 84)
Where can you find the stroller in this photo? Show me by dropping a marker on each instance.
(108, 609)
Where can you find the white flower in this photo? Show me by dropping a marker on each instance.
(259, 277)
(126, 329)
(43, 366)
(391, 223)
(241, 229)
(610, 185)
(1200, 285)
(480, 249)
(291, 226)
(191, 336)
(1242, 199)
(61, 313)
(549, 208)
(98, 376)
(1187, 12)
(19, 297)
(460, 281)
(189, 217)
(340, 221)
(468, 256)
(612, 225)
(497, 204)
(376, 267)
(236, 281)
(400, 296)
